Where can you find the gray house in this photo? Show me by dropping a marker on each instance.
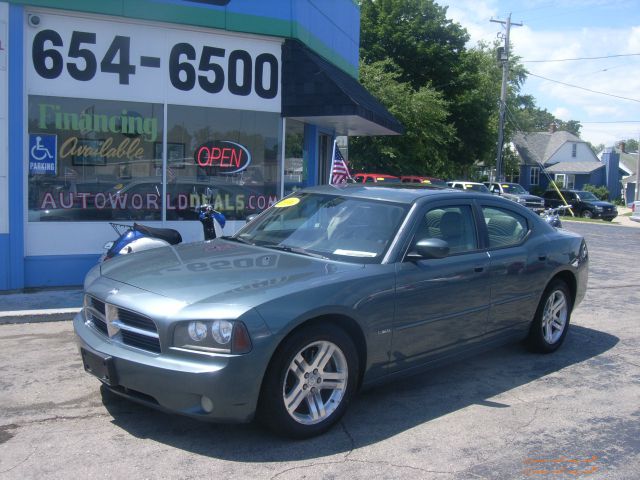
(566, 159)
(628, 164)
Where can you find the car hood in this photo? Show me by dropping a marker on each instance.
(526, 196)
(599, 203)
(223, 272)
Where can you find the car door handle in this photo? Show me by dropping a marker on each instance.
(542, 258)
(478, 269)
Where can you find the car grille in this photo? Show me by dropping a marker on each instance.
(534, 204)
(122, 325)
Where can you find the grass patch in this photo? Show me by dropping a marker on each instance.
(584, 220)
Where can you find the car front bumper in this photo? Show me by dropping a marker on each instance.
(176, 382)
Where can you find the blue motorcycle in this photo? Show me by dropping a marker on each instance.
(138, 237)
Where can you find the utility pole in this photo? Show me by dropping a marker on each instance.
(637, 191)
(504, 58)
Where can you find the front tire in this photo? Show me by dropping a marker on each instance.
(310, 382)
(551, 322)
(587, 214)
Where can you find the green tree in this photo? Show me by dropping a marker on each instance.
(423, 112)
(631, 145)
(430, 51)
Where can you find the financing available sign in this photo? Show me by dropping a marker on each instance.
(43, 154)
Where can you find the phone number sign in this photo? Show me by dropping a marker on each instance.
(74, 57)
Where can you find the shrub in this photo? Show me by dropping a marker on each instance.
(601, 192)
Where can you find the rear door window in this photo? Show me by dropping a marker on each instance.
(504, 227)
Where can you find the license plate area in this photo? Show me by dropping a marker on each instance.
(100, 366)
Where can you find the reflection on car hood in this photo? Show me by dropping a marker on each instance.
(222, 271)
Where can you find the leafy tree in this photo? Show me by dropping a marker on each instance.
(631, 145)
(596, 148)
(430, 51)
(423, 112)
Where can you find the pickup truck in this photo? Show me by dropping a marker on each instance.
(516, 193)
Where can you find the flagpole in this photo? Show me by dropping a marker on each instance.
(333, 159)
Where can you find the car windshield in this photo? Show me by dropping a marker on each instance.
(335, 227)
(513, 188)
(588, 196)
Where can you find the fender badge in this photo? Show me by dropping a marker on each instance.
(114, 291)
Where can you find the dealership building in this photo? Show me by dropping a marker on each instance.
(142, 110)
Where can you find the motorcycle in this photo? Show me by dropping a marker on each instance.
(138, 237)
(552, 215)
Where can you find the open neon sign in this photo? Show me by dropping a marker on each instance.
(223, 155)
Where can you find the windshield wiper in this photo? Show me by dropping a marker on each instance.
(239, 239)
(298, 250)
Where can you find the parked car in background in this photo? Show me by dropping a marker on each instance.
(635, 212)
(438, 182)
(515, 192)
(464, 185)
(327, 291)
(583, 204)
(375, 178)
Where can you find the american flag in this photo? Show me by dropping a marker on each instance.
(339, 170)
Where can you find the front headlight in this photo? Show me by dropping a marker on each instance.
(522, 201)
(215, 336)
(598, 209)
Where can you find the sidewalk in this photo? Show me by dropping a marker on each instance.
(41, 305)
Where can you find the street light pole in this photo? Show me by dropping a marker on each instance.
(503, 95)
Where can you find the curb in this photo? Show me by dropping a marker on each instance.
(38, 316)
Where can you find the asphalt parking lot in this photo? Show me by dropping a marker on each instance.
(504, 414)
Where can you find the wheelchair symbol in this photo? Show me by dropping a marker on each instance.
(40, 152)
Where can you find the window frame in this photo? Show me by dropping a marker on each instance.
(534, 174)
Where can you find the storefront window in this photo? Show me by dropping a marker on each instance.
(94, 160)
(295, 162)
(228, 158)
(101, 160)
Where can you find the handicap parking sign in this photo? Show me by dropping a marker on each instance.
(43, 152)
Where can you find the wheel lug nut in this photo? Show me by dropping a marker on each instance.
(313, 390)
(315, 371)
(305, 386)
(306, 375)
(319, 380)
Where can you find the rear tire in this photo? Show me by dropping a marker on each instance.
(310, 382)
(551, 322)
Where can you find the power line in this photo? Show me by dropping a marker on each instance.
(583, 88)
(582, 58)
(616, 121)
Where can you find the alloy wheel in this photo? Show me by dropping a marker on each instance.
(554, 318)
(315, 382)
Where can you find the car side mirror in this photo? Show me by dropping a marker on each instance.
(430, 248)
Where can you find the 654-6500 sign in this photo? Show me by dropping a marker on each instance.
(211, 70)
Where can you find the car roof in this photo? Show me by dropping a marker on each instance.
(399, 193)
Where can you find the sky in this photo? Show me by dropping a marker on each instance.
(568, 29)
